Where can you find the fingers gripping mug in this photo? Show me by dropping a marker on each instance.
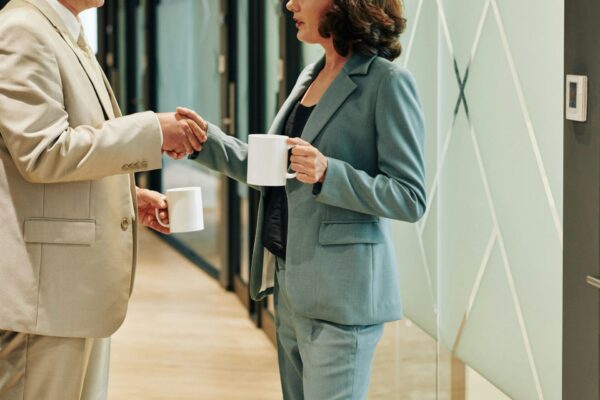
(185, 210)
(268, 160)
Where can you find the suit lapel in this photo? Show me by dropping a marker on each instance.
(86, 63)
(333, 98)
(93, 74)
(341, 88)
(300, 87)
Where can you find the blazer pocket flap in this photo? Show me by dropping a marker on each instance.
(59, 231)
(331, 233)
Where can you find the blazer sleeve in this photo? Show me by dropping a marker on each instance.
(36, 129)
(398, 190)
(229, 155)
(223, 153)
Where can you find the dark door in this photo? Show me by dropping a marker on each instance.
(581, 330)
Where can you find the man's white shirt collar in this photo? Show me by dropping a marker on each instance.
(71, 21)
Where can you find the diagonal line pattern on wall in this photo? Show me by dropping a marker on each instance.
(530, 130)
(415, 24)
(444, 23)
(476, 285)
(507, 269)
(427, 271)
(500, 240)
(434, 186)
(442, 157)
(462, 83)
(496, 236)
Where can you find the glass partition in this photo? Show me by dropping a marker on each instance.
(481, 273)
(188, 75)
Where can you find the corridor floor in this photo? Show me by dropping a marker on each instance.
(185, 338)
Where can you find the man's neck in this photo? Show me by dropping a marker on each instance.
(70, 7)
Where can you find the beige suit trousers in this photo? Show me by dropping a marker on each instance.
(34, 367)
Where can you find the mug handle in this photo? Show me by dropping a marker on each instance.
(290, 175)
(159, 220)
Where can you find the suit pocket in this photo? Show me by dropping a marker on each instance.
(332, 233)
(59, 231)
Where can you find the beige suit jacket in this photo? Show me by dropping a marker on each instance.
(67, 202)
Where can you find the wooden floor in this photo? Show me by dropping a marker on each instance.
(186, 338)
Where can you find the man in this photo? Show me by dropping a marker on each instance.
(67, 202)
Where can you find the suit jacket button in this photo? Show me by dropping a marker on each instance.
(124, 224)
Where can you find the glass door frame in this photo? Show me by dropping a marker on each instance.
(231, 123)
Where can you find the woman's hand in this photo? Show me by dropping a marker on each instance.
(307, 161)
(148, 201)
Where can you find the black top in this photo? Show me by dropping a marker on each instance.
(274, 233)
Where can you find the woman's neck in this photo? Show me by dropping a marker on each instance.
(333, 60)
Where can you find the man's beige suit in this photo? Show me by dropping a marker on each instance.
(67, 201)
(67, 236)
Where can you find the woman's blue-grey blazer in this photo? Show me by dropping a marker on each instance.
(340, 263)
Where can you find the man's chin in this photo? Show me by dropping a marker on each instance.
(95, 3)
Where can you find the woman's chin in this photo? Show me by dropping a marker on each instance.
(304, 38)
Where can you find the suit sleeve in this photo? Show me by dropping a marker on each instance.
(36, 129)
(223, 153)
(228, 155)
(398, 190)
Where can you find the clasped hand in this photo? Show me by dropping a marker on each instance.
(182, 135)
(309, 163)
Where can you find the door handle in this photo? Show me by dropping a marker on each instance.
(594, 281)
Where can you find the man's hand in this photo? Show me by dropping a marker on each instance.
(181, 136)
(148, 201)
(191, 115)
(307, 161)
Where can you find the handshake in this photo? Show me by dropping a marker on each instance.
(184, 132)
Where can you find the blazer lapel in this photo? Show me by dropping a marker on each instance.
(335, 96)
(93, 74)
(82, 56)
(300, 87)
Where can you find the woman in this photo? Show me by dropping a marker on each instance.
(356, 124)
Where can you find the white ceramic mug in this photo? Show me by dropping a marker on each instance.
(185, 210)
(268, 160)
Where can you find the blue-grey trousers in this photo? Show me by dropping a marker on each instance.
(321, 360)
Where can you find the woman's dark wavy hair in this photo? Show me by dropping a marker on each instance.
(367, 27)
